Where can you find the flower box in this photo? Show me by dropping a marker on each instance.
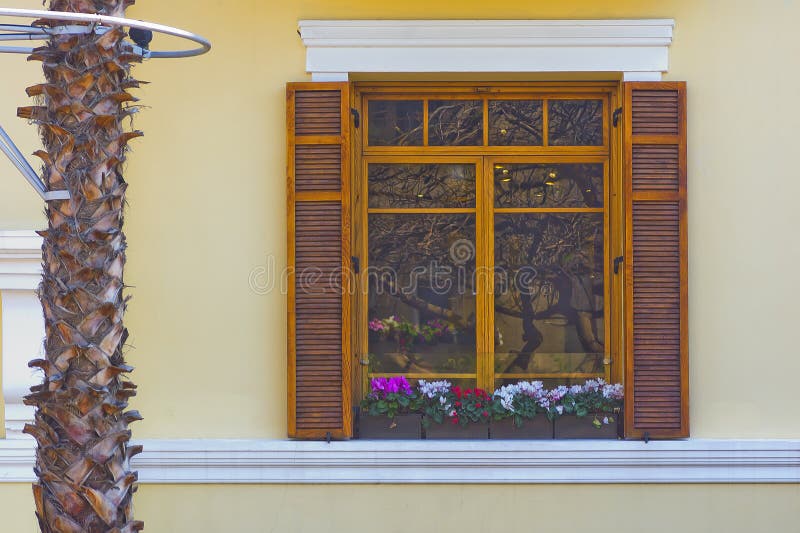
(574, 427)
(448, 431)
(536, 428)
(401, 427)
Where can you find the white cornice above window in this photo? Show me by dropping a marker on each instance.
(637, 48)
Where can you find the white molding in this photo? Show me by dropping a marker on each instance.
(641, 76)
(17, 415)
(398, 46)
(20, 260)
(329, 76)
(429, 462)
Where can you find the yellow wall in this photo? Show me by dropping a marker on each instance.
(207, 207)
(393, 509)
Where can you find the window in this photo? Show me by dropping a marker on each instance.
(510, 232)
(485, 216)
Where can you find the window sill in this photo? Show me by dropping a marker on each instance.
(436, 462)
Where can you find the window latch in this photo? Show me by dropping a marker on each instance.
(356, 264)
(615, 117)
(356, 117)
(618, 261)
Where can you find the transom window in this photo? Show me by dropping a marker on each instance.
(486, 217)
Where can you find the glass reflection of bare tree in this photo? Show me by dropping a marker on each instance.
(552, 264)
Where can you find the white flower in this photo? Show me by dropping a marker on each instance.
(560, 409)
(613, 392)
(544, 403)
(433, 389)
(605, 420)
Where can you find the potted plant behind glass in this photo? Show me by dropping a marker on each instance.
(390, 411)
(520, 413)
(588, 411)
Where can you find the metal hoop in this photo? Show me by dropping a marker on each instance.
(100, 23)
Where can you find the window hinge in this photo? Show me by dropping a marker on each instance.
(615, 117)
(363, 361)
(356, 117)
(356, 264)
(617, 262)
(647, 437)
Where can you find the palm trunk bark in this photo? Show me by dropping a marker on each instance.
(85, 482)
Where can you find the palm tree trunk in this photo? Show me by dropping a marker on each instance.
(85, 483)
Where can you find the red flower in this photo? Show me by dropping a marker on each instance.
(457, 391)
(458, 404)
(454, 420)
(486, 413)
(468, 392)
(478, 405)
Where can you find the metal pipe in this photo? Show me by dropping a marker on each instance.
(23, 37)
(22, 28)
(16, 50)
(8, 147)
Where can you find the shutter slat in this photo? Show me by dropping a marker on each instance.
(656, 369)
(319, 242)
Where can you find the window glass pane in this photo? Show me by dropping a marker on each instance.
(395, 122)
(575, 122)
(421, 304)
(515, 123)
(549, 291)
(413, 185)
(455, 123)
(548, 185)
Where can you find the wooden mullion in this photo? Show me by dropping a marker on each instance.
(568, 375)
(420, 210)
(534, 210)
(347, 270)
(545, 123)
(425, 119)
(412, 375)
(607, 272)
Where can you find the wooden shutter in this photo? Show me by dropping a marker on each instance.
(318, 119)
(656, 366)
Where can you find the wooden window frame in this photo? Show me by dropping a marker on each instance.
(611, 154)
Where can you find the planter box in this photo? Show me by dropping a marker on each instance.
(448, 431)
(403, 427)
(538, 428)
(572, 427)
